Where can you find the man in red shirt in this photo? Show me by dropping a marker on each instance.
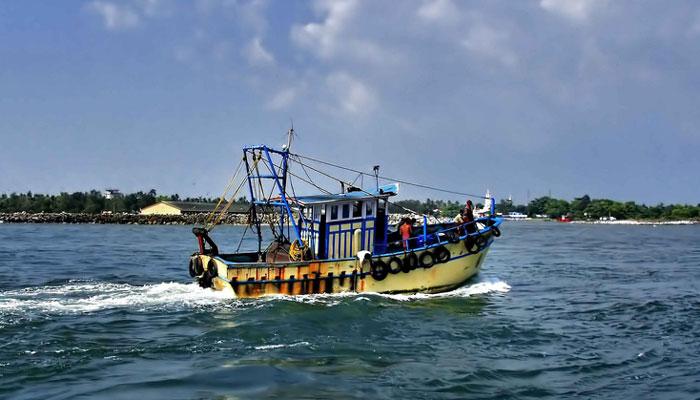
(405, 230)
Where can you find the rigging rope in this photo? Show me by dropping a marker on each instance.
(230, 202)
(387, 178)
(360, 189)
(210, 216)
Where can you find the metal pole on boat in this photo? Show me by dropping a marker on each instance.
(425, 230)
(376, 175)
(252, 201)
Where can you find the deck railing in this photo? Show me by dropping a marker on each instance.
(452, 234)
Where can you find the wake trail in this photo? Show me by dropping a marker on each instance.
(90, 297)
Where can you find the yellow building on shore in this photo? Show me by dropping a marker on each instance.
(185, 208)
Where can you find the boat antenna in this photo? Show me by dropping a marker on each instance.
(376, 175)
(290, 136)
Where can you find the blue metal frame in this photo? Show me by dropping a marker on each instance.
(275, 176)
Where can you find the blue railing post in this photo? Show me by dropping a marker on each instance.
(493, 206)
(425, 230)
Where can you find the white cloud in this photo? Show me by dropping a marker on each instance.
(256, 54)
(282, 99)
(438, 10)
(488, 42)
(353, 97)
(695, 28)
(151, 8)
(322, 38)
(115, 16)
(576, 10)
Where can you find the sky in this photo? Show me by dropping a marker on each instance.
(525, 98)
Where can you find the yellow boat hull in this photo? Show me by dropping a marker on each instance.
(250, 280)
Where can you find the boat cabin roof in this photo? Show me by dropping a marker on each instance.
(383, 192)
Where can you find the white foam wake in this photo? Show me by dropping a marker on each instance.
(82, 297)
(491, 286)
(86, 297)
(478, 288)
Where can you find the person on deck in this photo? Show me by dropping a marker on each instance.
(468, 216)
(405, 230)
(458, 220)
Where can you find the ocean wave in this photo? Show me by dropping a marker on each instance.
(333, 299)
(279, 346)
(487, 287)
(86, 297)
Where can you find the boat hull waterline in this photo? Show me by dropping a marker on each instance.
(251, 280)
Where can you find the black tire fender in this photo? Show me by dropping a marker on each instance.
(212, 268)
(442, 255)
(395, 265)
(410, 262)
(190, 267)
(198, 266)
(427, 259)
(470, 245)
(481, 243)
(496, 232)
(379, 270)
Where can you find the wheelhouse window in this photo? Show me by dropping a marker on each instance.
(346, 211)
(369, 208)
(334, 212)
(357, 209)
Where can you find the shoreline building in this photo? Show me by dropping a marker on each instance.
(110, 194)
(186, 208)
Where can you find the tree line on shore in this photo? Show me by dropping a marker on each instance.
(92, 202)
(581, 208)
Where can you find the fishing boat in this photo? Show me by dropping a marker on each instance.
(333, 242)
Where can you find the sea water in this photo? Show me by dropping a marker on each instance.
(558, 311)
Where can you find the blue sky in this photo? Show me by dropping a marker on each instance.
(568, 97)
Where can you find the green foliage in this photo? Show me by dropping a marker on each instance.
(92, 202)
(582, 208)
(429, 207)
(586, 208)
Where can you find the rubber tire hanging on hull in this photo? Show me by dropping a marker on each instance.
(442, 255)
(212, 269)
(379, 270)
(410, 262)
(190, 267)
(395, 265)
(496, 231)
(470, 245)
(481, 243)
(427, 260)
(198, 266)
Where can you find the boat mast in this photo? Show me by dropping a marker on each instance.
(253, 206)
(278, 177)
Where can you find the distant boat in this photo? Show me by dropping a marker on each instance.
(333, 243)
(515, 216)
(564, 218)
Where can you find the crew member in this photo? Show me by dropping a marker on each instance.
(468, 217)
(405, 230)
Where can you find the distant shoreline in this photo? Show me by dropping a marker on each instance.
(232, 219)
(616, 222)
(116, 219)
(638, 222)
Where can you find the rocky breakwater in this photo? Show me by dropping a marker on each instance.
(116, 218)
